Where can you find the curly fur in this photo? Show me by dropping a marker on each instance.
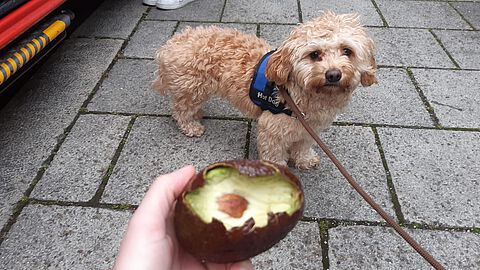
(204, 61)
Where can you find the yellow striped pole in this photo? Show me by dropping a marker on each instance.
(24, 54)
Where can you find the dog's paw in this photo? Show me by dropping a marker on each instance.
(192, 129)
(198, 115)
(307, 162)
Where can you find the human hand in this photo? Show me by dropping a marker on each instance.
(150, 242)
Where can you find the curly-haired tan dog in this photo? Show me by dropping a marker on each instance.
(320, 64)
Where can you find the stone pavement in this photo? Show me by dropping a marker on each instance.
(84, 138)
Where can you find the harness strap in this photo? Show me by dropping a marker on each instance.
(265, 93)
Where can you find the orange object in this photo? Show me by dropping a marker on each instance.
(21, 19)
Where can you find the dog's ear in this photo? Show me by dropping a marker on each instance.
(279, 66)
(369, 76)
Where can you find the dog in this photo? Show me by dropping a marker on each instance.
(320, 64)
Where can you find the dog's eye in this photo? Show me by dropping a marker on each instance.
(347, 52)
(315, 56)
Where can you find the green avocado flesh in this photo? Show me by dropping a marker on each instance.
(265, 194)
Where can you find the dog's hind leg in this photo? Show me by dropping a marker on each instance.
(187, 111)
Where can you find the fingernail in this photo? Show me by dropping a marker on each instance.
(244, 265)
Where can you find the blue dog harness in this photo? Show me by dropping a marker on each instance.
(263, 92)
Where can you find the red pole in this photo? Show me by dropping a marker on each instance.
(24, 17)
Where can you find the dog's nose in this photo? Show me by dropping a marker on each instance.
(333, 75)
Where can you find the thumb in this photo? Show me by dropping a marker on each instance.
(164, 191)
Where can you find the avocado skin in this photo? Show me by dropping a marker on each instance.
(212, 242)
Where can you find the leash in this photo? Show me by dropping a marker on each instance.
(427, 256)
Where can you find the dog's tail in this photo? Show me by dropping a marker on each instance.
(160, 82)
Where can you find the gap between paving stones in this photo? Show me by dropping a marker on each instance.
(293, 24)
(300, 15)
(429, 68)
(324, 245)
(85, 111)
(246, 152)
(391, 187)
(461, 15)
(41, 171)
(424, 99)
(111, 206)
(385, 23)
(444, 48)
(223, 10)
(101, 189)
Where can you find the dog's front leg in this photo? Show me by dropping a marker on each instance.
(303, 155)
(272, 141)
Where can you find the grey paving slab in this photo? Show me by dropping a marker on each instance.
(463, 46)
(368, 14)
(113, 19)
(362, 247)
(421, 14)
(56, 237)
(156, 146)
(327, 193)
(149, 36)
(83, 159)
(210, 10)
(261, 11)
(35, 119)
(128, 89)
(299, 250)
(275, 34)
(453, 96)
(393, 101)
(470, 11)
(436, 174)
(409, 47)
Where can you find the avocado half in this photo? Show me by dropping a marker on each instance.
(234, 210)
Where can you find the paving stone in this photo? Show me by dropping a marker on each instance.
(196, 11)
(56, 237)
(463, 46)
(156, 146)
(409, 47)
(362, 247)
(113, 19)
(275, 34)
(36, 117)
(393, 101)
(247, 28)
(299, 250)
(327, 193)
(368, 14)
(435, 173)
(470, 11)
(83, 159)
(128, 89)
(261, 11)
(149, 36)
(453, 96)
(421, 14)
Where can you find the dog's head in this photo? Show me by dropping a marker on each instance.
(330, 53)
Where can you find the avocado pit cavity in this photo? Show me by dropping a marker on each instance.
(233, 198)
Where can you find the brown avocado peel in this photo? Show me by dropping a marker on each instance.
(234, 210)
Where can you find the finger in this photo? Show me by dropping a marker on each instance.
(162, 194)
(243, 265)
